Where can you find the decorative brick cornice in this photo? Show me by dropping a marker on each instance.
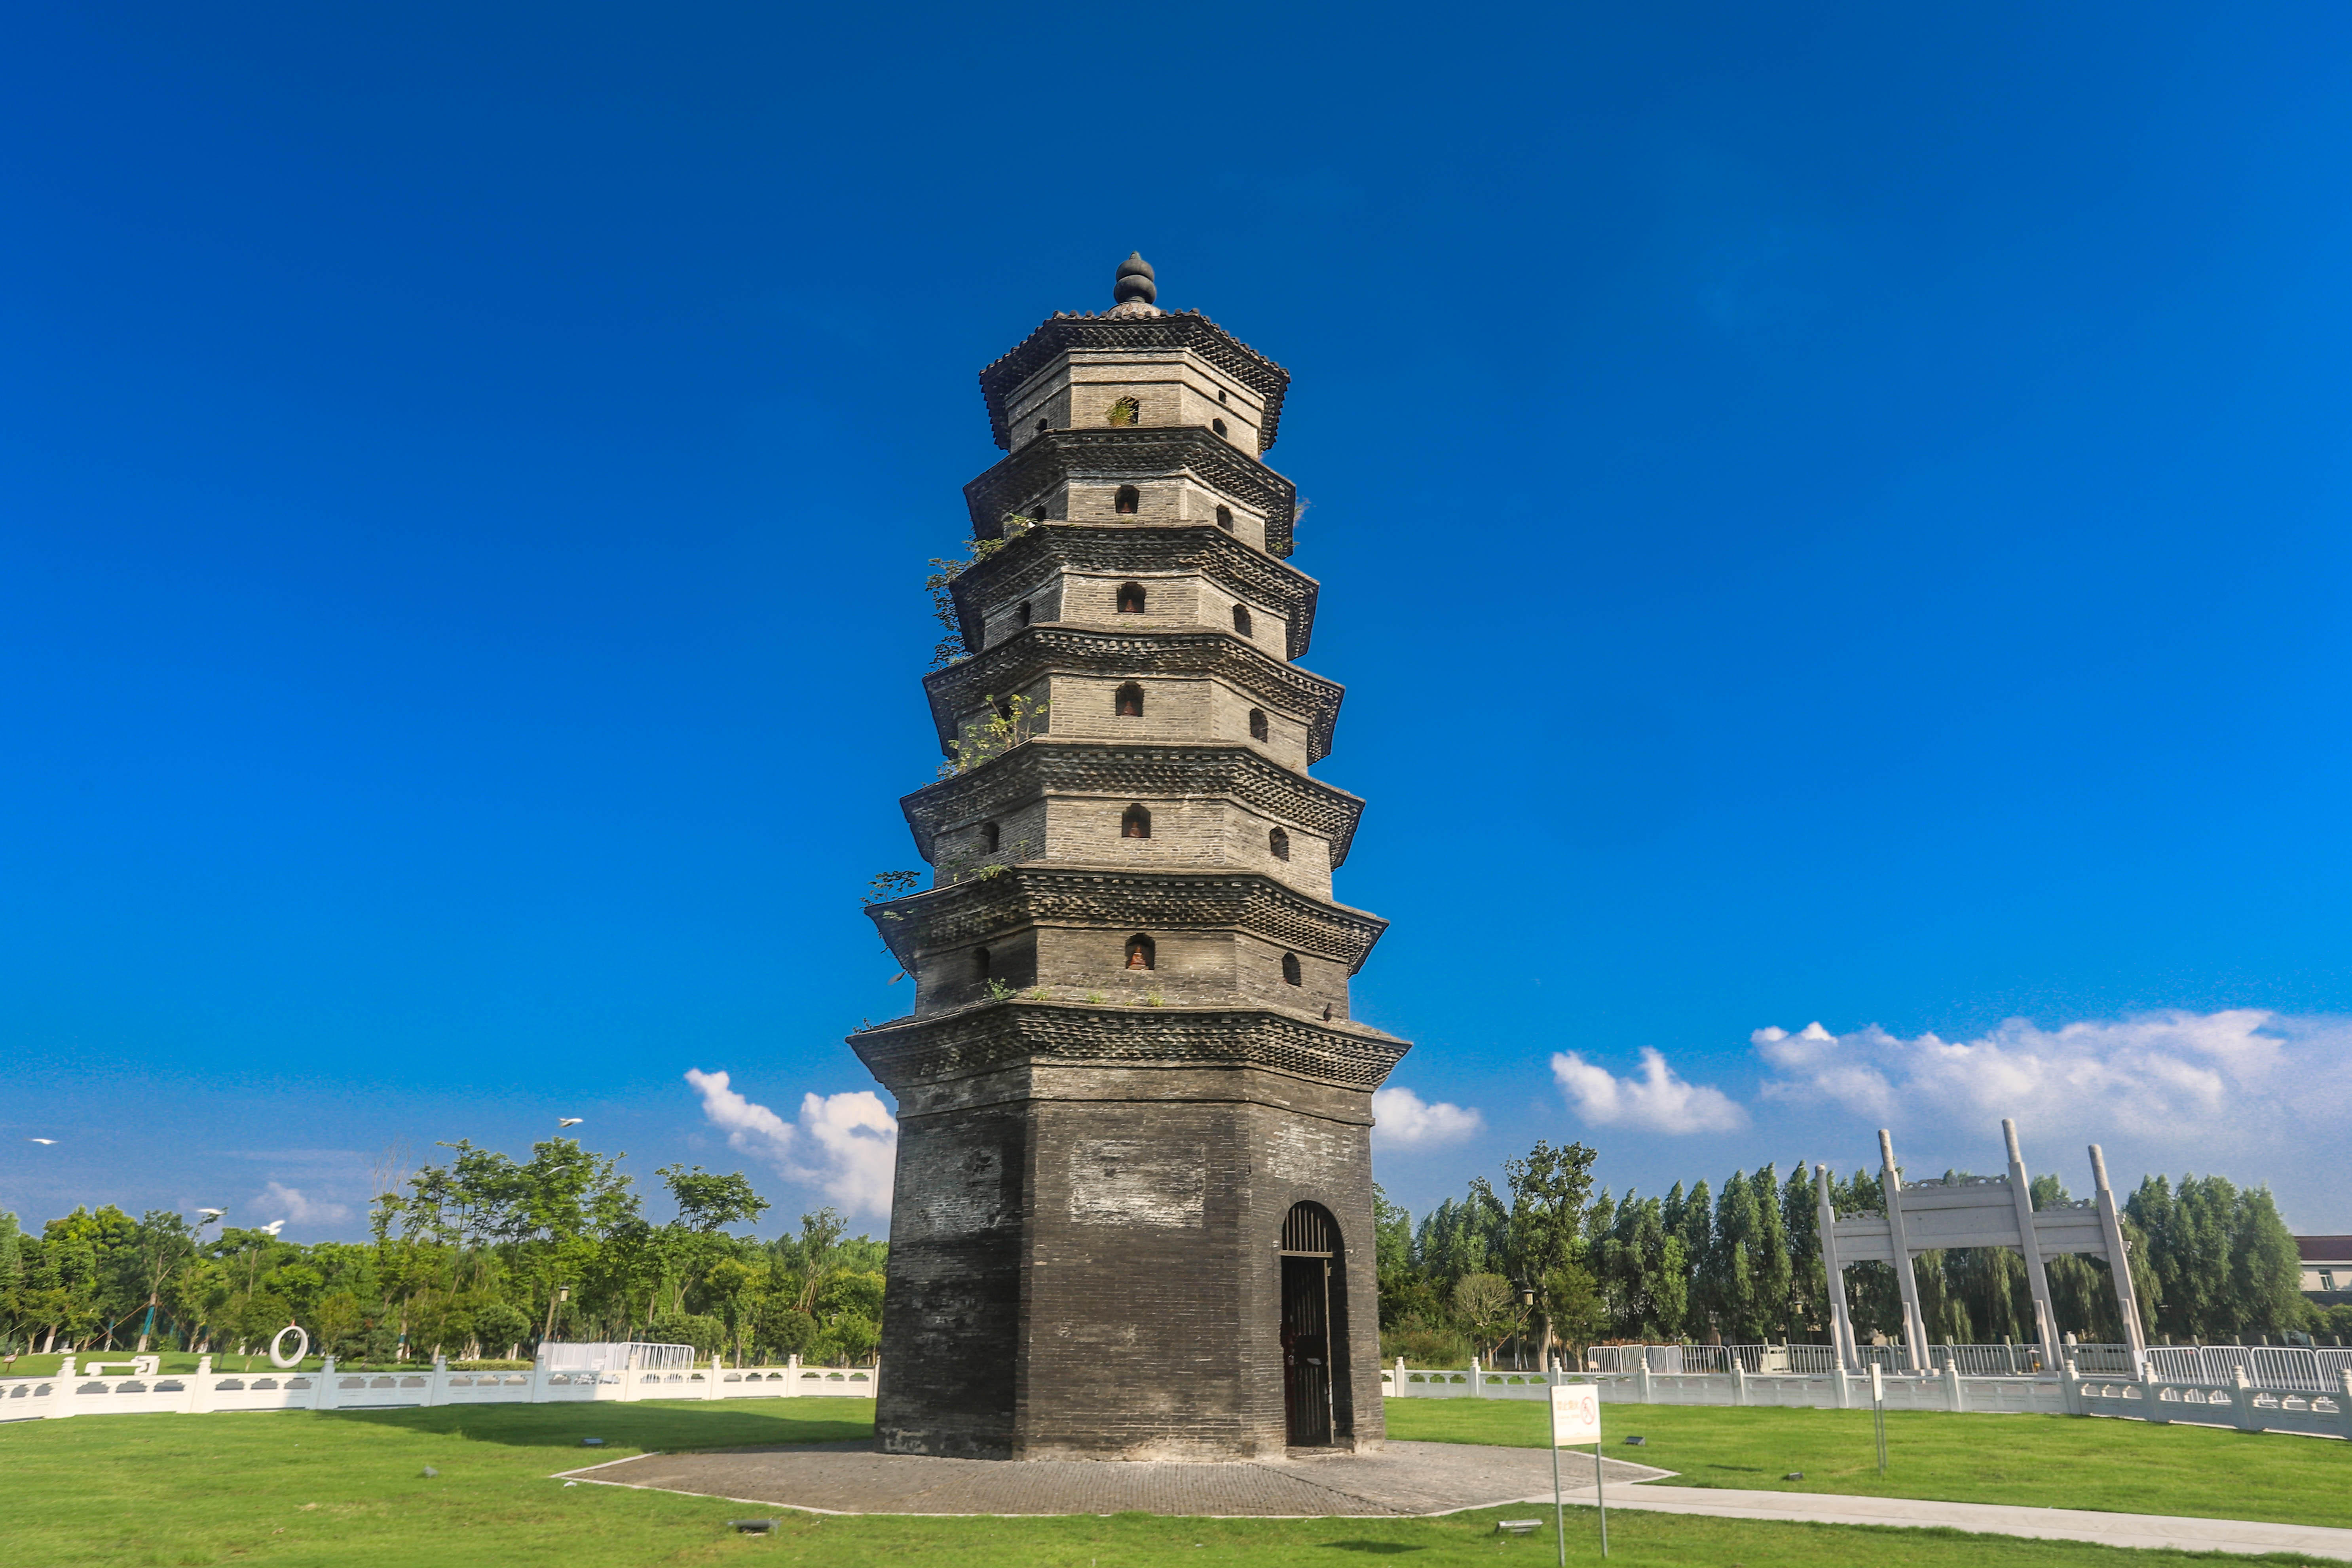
(1022, 660)
(1053, 764)
(1166, 330)
(1123, 454)
(1056, 893)
(1125, 548)
(990, 1037)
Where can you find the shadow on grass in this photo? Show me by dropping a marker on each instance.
(1376, 1548)
(632, 1428)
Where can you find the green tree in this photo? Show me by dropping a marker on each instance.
(1487, 1309)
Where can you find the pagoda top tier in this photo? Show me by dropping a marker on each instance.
(1134, 328)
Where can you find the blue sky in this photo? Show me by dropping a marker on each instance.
(1825, 515)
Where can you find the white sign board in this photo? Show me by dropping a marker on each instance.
(1575, 1414)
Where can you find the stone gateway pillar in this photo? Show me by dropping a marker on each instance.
(1133, 1212)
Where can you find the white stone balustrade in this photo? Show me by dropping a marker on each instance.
(72, 1393)
(2239, 1402)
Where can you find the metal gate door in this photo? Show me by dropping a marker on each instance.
(1307, 1245)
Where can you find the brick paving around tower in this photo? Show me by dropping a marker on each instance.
(1401, 1480)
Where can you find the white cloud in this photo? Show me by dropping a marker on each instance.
(846, 1145)
(1657, 1102)
(1401, 1119)
(289, 1204)
(2193, 1083)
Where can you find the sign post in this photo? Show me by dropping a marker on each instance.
(1878, 1411)
(1575, 1418)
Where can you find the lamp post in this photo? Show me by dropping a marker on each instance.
(563, 1293)
(1526, 1306)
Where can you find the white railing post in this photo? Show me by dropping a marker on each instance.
(326, 1400)
(1954, 1400)
(1738, 1380)
(710, 1389)
(1400, 1384)
(200, 1387)
(2344, 1399)
(2151, 1402)
(792, 1376)
(1477, 1380)
(65, 1401)
(2242, 1401)
(1645, 1376)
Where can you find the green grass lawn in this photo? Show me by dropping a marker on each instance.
(348, 1487)
(2041, 1461)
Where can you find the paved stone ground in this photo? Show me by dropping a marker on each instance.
(2180, 1534)
(1404, 1478)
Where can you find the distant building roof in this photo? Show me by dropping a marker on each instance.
(2325, 1248)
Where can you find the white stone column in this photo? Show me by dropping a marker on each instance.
(1915, 1325)
(2119, 1263)
(2020, 1188)
(328, 1394)
(1833, 1270)
(710, 1389)
(200, 1387)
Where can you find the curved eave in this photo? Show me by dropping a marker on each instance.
(989, 1037)
(1132, 452)
(1027, 771)
(1159, 546)
(1041, 651)
(1066, 330)
(1051, 893)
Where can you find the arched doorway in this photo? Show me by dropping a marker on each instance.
(1311, 1338)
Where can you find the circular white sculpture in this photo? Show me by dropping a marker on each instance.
(277, 1357)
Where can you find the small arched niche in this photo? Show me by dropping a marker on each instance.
(1134, 821)
(1141, 952)
(1129, 703)
(1242, 620)
(1131, 598)
(1225, 517)
(1041, 425)
(1257, 724)
(1290, 971)
(1022, 614)
(1218, 425)
(1126, 501)
(1278, 844)
(989, 834)
(980, 963)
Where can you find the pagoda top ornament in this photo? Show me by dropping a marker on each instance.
(1133, 289)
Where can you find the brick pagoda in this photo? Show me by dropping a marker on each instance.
(1133, 1214)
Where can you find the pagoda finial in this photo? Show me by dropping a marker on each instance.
(1134, 284)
